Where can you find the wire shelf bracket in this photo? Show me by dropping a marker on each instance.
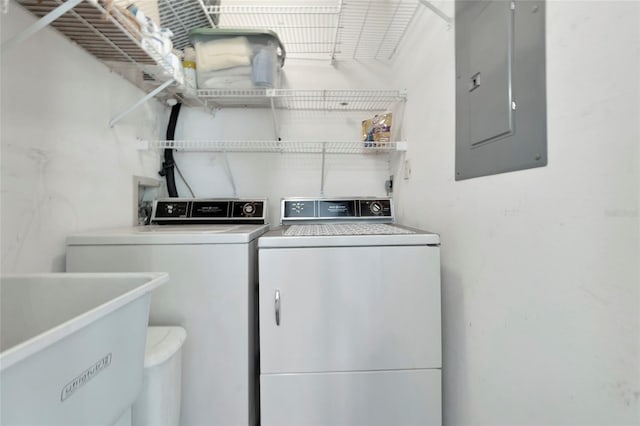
(437, 11)
(148, 96)
(323, 168)
(41, 23)
(229, 173)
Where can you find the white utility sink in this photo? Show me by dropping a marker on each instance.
(72, 346)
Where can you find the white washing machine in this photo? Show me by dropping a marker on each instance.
(211, 293)
(350, 328)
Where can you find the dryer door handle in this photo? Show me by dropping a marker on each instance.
(277, 300)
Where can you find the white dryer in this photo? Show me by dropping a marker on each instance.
(350, 328)
(211, 293)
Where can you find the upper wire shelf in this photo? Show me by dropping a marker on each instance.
(324, 29)
(110, 35)
(181, 16)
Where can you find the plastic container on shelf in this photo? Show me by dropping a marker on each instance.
(189, 68)
(237, 59)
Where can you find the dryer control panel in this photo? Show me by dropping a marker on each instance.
(208, 211)
(337, 209)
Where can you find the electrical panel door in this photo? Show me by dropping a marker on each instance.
(500, 87)
(489, 92)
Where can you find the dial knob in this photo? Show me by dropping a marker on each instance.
(249, 209)
(376, 208)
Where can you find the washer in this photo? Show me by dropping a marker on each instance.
(209, 248)
(350, 328)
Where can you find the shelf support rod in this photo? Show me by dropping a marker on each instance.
(437, 11)
(335, 35)
(229, 173)
(276, 127)
(324, 155)
(124, 113)
(39, 24)
(364, 21)
(395, 13)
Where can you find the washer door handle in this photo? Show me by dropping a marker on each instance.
(277, 307)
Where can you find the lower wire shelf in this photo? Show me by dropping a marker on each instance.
(313, 100)
(268, 146)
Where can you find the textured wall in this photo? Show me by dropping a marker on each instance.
(63, 169)
(540, 267)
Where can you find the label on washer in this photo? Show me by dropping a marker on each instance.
(208, 211)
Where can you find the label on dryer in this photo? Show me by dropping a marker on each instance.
(335, 209)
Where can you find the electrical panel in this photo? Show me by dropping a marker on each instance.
(501, 123)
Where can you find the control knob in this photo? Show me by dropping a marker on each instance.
(249, 209)
(375, 208)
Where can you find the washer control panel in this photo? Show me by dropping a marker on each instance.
(208, 211)
(336, 209)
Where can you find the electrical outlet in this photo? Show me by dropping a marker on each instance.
(407, 170)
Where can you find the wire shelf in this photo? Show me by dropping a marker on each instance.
(306, 30)
(373, 29)
(324, 29)
(181, 16)
(316, 100)
(108, 36)
(293, 147)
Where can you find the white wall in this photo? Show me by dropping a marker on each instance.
(63, 169)
(540, 267)
(279, 175)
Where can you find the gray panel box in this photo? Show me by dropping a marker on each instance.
(501, 122)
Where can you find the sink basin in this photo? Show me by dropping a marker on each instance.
(72, 346)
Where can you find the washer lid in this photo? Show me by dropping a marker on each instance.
(170, 234)
(162, 344)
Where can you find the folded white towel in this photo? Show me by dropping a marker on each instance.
(234, 46)
(222, 54)
(219, 79)
(222, 62)
(227, 83)
(235, 71)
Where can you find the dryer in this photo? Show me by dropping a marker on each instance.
(350, 328)
(209, 249)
